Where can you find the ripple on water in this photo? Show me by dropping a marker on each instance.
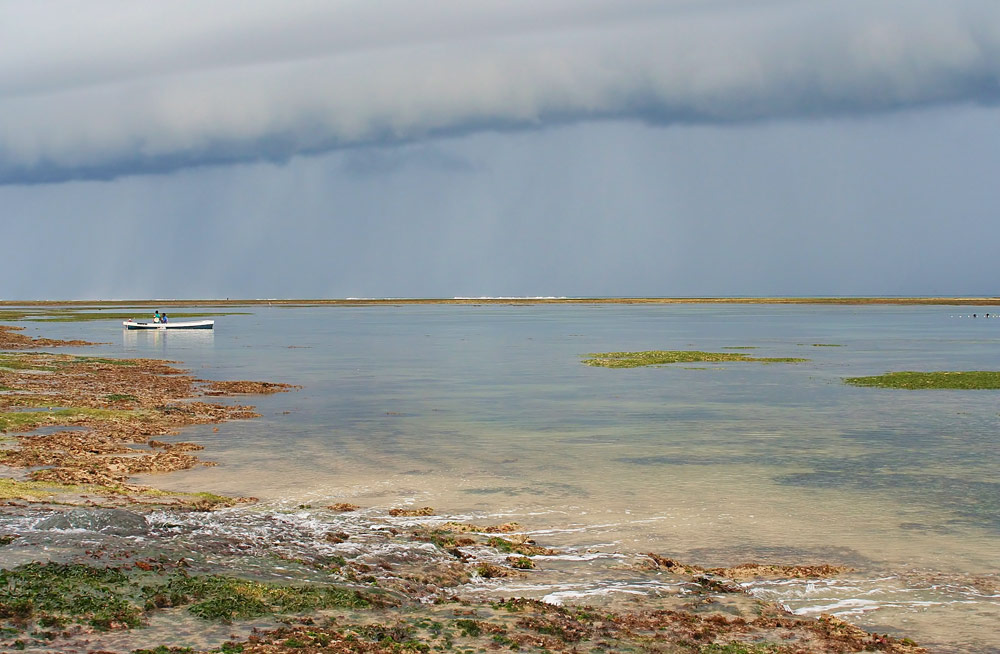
(892, 603)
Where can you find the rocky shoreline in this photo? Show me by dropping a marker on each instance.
(77, 428)
(95, 422)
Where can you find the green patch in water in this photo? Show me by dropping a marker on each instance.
(28, 420)
(53, 594)
(469, 628)
(911, 380)
(201, 501)
(45, 362)
(385, 633)
(657, 357)
(38, 491)
(23, 362)
(56, 595)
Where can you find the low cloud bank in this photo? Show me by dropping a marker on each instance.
(167, 86)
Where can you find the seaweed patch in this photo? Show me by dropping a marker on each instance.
(911, 380)
(659, 357)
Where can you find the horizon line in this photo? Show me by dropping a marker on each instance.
(913, 299)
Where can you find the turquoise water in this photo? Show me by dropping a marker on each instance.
(487, 412)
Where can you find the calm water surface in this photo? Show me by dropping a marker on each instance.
(486, 412)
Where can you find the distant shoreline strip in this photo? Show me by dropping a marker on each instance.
(968, 301)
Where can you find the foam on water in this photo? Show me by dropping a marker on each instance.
(590, 594)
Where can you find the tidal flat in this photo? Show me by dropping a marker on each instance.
(489, 499)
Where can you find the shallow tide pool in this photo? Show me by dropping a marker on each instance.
(487, 413)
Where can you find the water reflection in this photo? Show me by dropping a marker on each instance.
(157, 339)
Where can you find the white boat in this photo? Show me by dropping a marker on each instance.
(190, 324)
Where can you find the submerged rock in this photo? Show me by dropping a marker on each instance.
(118, 522)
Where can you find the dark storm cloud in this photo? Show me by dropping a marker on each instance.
(105, 89)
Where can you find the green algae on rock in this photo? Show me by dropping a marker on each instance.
(464, 528)
(225, 598)
(28, 420)
(657, 357)
(522, 545)
(912, 380)
(35, 491)
(54, 595)
(110, 495)
(52, 604)
(532, 626)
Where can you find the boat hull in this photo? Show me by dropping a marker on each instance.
(164, 326)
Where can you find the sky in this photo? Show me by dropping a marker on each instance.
(432, 148)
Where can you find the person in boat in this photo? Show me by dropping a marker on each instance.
(163, 317)
(156, 316)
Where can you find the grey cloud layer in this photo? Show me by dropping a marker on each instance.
(100, 90)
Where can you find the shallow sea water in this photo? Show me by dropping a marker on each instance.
(486, 413)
